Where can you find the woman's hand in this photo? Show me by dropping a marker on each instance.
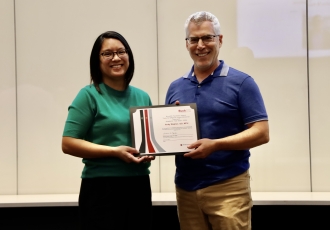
(147, 158)
(127, 154)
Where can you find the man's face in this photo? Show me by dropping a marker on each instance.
(205, 56)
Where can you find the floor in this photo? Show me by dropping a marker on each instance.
(264, 217)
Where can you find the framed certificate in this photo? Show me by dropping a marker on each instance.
(164, 129)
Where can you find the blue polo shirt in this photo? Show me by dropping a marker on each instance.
(227, 101)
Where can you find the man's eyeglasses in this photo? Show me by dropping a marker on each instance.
(205, 39)
(110, 54)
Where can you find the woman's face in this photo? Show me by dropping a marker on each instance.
(114, 61)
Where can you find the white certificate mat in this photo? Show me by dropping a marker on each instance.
(164, 129)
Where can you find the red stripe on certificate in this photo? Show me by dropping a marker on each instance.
(146, 121)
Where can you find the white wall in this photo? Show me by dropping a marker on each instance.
(281, 76)
(266, 39)
(54, 41)
(319, 82)
(8, 156)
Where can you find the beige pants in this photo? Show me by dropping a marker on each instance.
(225, 205)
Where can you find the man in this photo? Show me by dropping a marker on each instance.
(212, 180)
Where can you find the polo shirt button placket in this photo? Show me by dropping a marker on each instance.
(197, 90)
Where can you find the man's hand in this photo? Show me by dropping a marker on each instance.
(201, 148)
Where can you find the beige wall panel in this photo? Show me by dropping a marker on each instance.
(266, 39)
(54, 41)
(8, 158)
(319, 79)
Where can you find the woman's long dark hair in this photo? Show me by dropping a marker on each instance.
(94, 62)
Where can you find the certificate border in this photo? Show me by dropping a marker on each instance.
(133, 110)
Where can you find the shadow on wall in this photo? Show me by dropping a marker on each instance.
(242, 58)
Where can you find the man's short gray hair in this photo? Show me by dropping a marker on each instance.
(200, 17)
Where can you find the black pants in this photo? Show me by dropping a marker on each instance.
(118, 203)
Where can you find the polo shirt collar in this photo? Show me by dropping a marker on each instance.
(220, 71)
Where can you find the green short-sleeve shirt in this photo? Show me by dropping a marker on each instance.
(104, 119)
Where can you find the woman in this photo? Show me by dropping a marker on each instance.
(115, 189)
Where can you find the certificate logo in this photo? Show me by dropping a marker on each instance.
(183, 110)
